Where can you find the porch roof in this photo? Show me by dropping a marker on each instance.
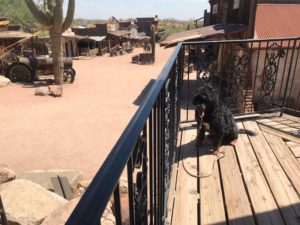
(203, 32)
(119, 33)
(14, 35)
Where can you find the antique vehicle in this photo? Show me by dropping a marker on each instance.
(28, 69)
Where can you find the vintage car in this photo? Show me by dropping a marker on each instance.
(29, 69)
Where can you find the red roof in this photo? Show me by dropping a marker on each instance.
(277, 20)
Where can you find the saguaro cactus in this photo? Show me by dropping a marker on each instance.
(53, 19)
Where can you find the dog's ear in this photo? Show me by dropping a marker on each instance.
(195, 100)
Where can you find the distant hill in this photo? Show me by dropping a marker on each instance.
(17, 13)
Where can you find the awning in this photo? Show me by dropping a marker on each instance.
(14, 35)
(97, 38)
(203, 32)
(119, 33)
(91, 38)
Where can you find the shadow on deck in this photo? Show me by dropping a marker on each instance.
(256, 182)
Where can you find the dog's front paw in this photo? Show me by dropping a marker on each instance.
(216, 151)
(233, 142)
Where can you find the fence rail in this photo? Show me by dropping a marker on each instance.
(252, 76)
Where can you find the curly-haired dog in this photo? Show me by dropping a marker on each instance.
(210, 110)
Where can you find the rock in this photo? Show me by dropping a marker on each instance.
(43, 177)
(4, 81)
(84, 184)
(56, 90)
(123, 185)
(6, 174)
(108, 218)
(42, 91)
(27, 203)
(61, 214)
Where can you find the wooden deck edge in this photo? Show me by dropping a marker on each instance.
(278, 133)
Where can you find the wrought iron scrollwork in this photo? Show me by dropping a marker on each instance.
(167, 134)
(140, 199)
(270, 72)
(204, 61)
(140, 187)
(240, 76)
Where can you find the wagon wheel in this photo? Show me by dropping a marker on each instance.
(68, 77)
(19, 72)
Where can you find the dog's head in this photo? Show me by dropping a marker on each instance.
(205, 99)
(200, 101)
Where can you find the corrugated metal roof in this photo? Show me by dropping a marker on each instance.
(277, 20)
(203, 32)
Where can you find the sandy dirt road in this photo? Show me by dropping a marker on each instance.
(78, 130)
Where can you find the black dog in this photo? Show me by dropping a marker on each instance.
(210, 110)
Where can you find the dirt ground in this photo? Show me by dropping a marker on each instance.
(78, 130)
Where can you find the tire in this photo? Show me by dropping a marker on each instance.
(69, 77)
(19, 72)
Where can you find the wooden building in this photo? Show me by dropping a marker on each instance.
(144, 24)
(232, 11)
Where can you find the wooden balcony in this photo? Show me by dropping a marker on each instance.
(256, 182)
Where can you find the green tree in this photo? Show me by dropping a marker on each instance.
(52, 18)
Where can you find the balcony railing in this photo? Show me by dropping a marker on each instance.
(252, 76)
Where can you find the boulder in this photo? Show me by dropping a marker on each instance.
(42, 91)
(123, 182)
(6, 173)
(4, 81)
(43, 177)
(56, 90)
(61, 214)
(27, 203)
(108, 217)
(84, 184)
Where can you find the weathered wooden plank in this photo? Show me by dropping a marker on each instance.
(292, 118)
(236, 199)
(263, 202)
(278, 133)
(292, 144)
(211, 198)
(273, 123)
(282, 189)
(294, 147)
(285, 158)
(185, 210)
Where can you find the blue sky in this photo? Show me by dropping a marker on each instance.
(103, 9)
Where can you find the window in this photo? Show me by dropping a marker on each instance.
(236, 4)
(215, 8)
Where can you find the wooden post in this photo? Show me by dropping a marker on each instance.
(153, 43)
(252, 16)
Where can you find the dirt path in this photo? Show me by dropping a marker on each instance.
(78, 130)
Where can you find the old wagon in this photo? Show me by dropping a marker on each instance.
(29, 69)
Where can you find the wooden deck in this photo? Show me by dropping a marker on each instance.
(257, 182)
